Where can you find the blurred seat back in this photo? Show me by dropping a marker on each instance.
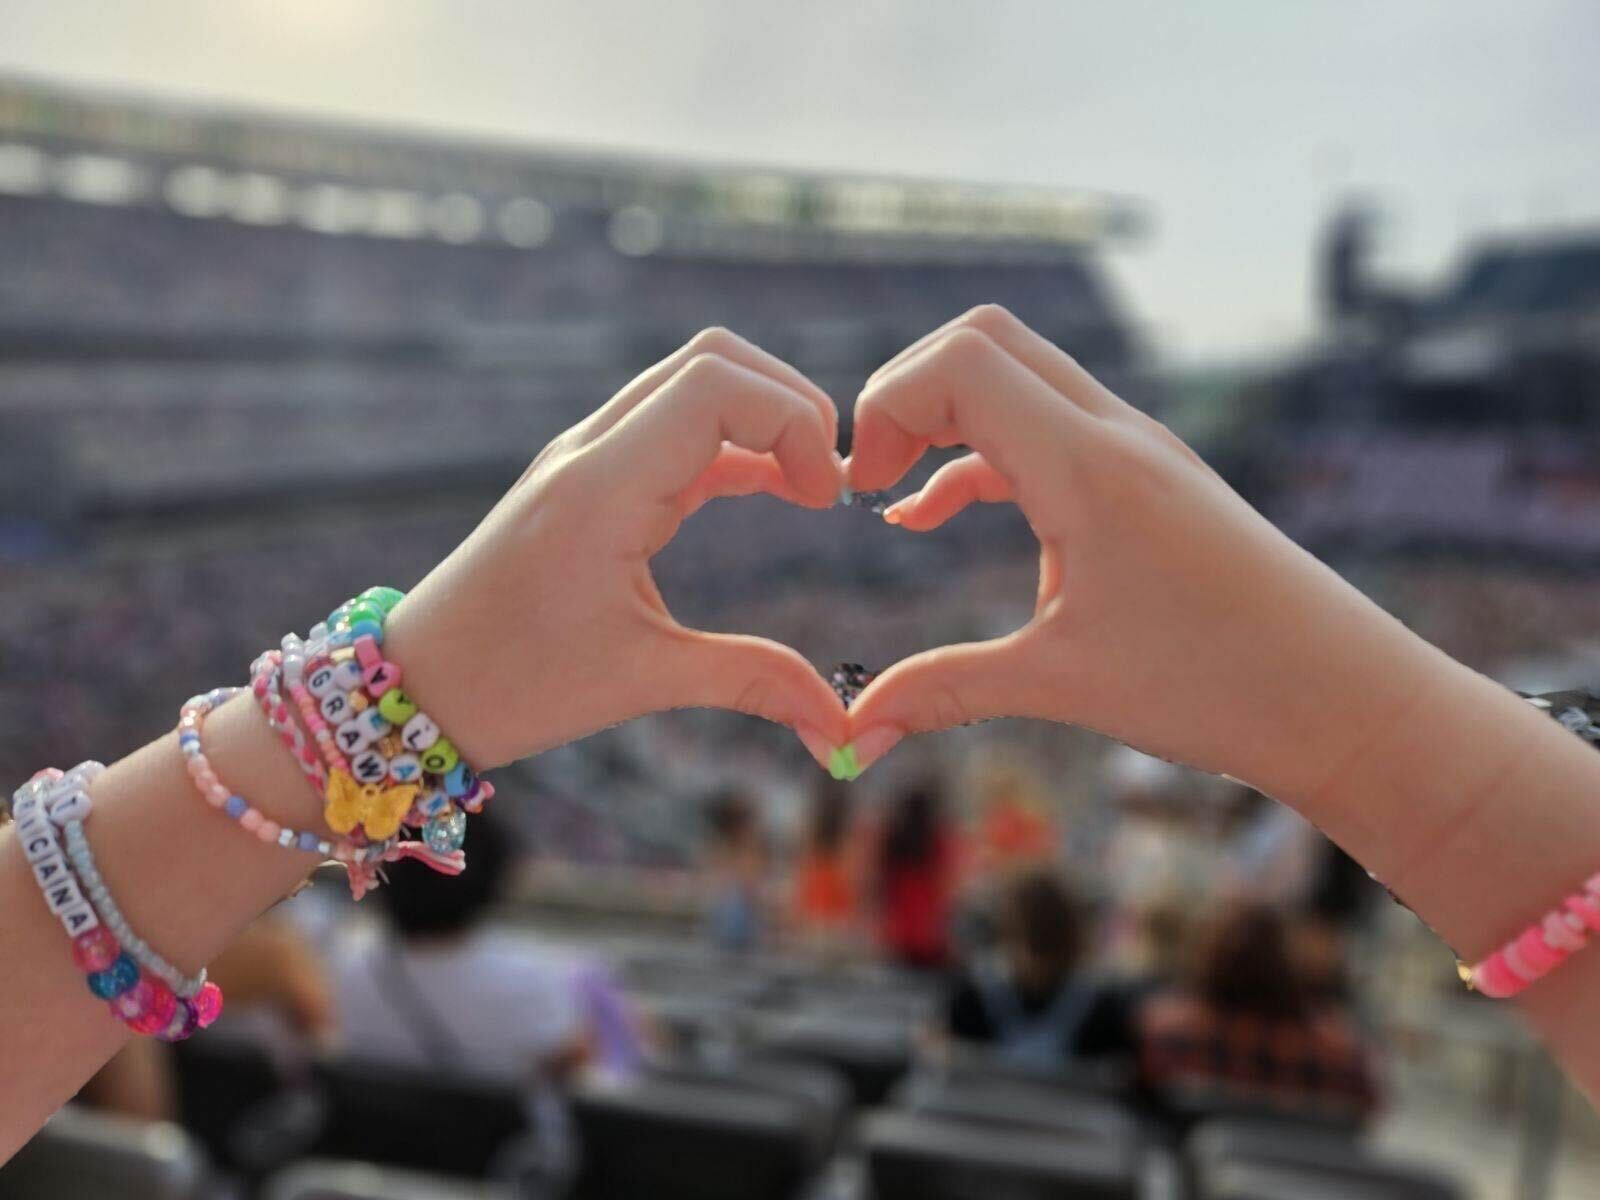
(223, 1083)
(871, 1053)
(1018, 1103)
(1261, 1159)
(911, 1156)
(334, 1180)
(676, 1137)
(409, 1117)
(1112, 1077)
(821, 1091)
(81, 1154)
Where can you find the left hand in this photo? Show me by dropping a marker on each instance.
(546, 625)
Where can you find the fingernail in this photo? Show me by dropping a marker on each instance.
(842, 764)
(872, 744)
(820, 747)
(892, 515)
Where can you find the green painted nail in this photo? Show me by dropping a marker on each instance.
(842, 764)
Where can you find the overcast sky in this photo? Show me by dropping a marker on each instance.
(1237, 122)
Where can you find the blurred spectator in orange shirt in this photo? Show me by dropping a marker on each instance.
(826, 904)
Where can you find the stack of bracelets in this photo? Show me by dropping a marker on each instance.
(380, 766)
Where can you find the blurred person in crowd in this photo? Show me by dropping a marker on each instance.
(825, 908)
(1035, 1007)
(736, 869)
(1245, 1025)
(917, 873)
(437, 984)
(1014, 826)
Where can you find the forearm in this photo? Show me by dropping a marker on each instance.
(1482, 814)
(187, 878)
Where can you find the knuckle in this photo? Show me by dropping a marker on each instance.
(754, 697)
(714, 339)
(966, 349)
(703, 371)
(990, 317)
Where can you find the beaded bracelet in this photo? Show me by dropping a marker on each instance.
(103, 945)
(1565, 929)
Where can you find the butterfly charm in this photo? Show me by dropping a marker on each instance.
(377, 809)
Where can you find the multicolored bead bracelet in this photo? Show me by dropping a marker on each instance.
(157, 999)
(1565, 929)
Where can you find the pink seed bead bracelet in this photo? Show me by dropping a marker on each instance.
(1565, 929)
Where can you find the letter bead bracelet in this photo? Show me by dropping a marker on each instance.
(1565, 929)
(143, 990)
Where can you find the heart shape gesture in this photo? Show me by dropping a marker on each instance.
(545, 624)
(1168, 609)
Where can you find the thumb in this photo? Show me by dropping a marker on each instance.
(764, 679)
(939, 689)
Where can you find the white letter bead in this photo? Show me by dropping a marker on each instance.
(336, 707)
(405, 768)
(369, 767)
(37, 846)
(353, 736)
(25, 807)
(320, 682)
(375, 723)
(63, 894)
(74, 806)
(420, 732)
(347, 675)
(49, 869)
(79, 918)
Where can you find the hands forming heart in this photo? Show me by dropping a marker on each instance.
(1169, 614)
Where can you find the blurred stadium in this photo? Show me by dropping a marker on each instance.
(231, 342)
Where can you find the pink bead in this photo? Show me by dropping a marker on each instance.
(1563, 931)
(95, 950)
(1586, 908)
(252, 819)
(367, 652)
(208, 1004)
(380, 677)
(147, 1006)
(1495, 980)
(268, 831)
(1540, 956)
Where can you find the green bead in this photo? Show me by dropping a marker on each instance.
(397, 707)
(365, 610)
(842, 764)
(438, 758)
(384, 597)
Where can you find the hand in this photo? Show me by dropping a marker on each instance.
(545, 624)
(1170, 614)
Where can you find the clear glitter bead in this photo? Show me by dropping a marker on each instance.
(849, 680)
(446, 831)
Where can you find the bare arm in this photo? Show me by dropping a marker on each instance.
(1173, 616)
(544, 625)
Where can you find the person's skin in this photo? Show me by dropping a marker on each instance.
(1173, 616)
(544, 625)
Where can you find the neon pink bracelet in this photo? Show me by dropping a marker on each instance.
(1541, 947)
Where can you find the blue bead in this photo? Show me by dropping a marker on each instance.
(235, 807)
(115, 979)
(446, 831)
(459, 779)
(337, 615)
(308, 841)
(371, 629)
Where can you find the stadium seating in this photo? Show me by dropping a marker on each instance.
(872, 1053)
(80, 1154)
(1266, 1159)
(334, 1180)
(1020, 1104)
(911, 1156)
(677, 1137)
(232, 1098)
(423, 1119)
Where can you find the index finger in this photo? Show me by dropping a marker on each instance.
(961, 387)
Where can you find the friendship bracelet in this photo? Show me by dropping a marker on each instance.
(266, 675)
(1565, 929)
(103, 945)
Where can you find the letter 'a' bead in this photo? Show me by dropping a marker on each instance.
(354, 735)
(405, 768)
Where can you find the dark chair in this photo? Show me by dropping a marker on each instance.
(820, 1090)
(410, 1117)
(675, 1137)
(232, 1097)
(1109, 1077)
(910, 1156)
(1260, 1159)
(1186, 1109)
(1016, 1103)
(333, 1180)
(81, 1153)
(871, 1054)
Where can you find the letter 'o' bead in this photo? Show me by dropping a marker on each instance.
(440, 757)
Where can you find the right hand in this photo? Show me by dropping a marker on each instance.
(1170, 614)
